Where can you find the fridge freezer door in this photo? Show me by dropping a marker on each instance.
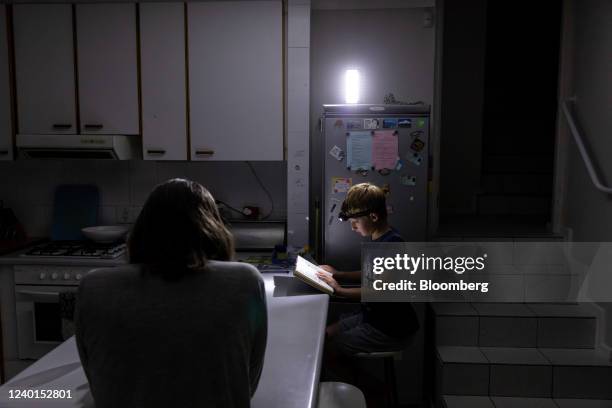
(408, 203)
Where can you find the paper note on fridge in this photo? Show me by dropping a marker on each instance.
(384, 149)
(359, 150)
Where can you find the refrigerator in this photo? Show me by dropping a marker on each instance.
(387, 145)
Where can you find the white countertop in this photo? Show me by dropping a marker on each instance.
(296, 328)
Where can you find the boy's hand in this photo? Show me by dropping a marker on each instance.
(329, 269)
(327, 278)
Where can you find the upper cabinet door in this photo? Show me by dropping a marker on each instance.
(107, 68)
(44, 62)
(6, 128)
(235, 80)
(163, 79)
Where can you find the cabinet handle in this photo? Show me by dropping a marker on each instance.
(62, 126)
(94, 126)
(205, 152)
(4, 152)
(156, 152)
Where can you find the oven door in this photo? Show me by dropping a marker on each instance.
(39, 319)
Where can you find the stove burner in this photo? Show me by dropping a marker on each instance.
(78, 249)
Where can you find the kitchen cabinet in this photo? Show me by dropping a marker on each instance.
(44, 68)
(235, 80)
(108, 69)
(163, 81)
(6, 127)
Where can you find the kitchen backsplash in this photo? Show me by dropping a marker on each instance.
(27, 186)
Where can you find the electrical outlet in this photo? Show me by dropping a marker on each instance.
(123, 214)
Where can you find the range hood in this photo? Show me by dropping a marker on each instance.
(58, 146)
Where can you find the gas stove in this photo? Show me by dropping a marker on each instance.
(77, 249)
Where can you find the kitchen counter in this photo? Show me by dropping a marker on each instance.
(296, 328)
(16, 259)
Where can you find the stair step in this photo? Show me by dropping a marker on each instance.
(466, 401)
(503, 309)
(580, 373)
(562, 310)
(515, 325)
(507, 204)
(518, 372)
(524, 372)
(582, 403)
(506, 325)
(513, 402)
(517, 183)
(470, 401)
(565, 325)
(456, 324)
(461, 371)
(516, 164)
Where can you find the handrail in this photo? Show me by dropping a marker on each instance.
(582, 149)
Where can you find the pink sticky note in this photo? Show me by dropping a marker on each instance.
(384, 149)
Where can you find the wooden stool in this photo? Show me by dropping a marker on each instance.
(389, 358)
(340, 395)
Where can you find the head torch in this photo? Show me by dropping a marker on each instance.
(345, 215)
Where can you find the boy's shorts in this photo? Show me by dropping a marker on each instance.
(355, 336)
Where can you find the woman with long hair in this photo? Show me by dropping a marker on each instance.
(183, 326)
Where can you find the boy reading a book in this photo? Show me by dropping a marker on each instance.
(377, 326)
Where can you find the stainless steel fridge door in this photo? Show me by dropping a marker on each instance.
(406, 201)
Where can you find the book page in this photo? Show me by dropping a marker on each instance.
(309, 271)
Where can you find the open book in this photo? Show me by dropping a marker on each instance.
(307, 272)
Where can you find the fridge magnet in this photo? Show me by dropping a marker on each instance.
(389, 123)
(339, 123)
(384, 149)
(384, 172)
(370, 123)
(407, 180)
(341, 184)
(337, 153)
(364, 173)
(359, 151)
(335, 203)
(416, 159)
(421, 123)
(399, 164)
(404, 123)
(416, 133)
(352, 124)
(417, 145)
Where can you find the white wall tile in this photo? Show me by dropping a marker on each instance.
(36, 220)
(7, 184)
(143, 178)
(113, 180)
(35, 183)
(28, 186)
(170, 170)
(107, 215)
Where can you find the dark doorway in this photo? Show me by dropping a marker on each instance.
(498, 116)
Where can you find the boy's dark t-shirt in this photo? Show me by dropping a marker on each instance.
(396, 319)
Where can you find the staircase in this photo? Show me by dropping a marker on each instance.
(516, 186)
(518, 355)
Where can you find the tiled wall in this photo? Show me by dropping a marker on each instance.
(27, 186)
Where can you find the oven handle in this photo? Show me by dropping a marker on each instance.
(36, 293)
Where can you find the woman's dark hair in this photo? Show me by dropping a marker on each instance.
(178, 230)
